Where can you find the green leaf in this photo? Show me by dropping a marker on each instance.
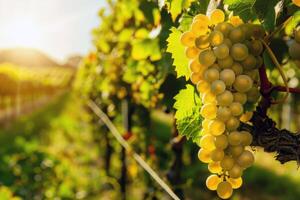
(142, 49)
(188, 118)
(293, 23)
(242, 8)
(265, 11)
(268, 61)
(177, 50)
(175, 7)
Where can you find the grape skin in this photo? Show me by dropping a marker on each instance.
(207, 57)
(224, 190)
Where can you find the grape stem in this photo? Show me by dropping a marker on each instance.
(283, 89)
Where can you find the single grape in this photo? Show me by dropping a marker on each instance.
(209, 111)
(236, 109)
(211, 75)
(227, 163)
(237, 68)
(212, 182)
(239, 52)
(256, 47)
(253, 95)
(228, 42)
(202, 17)
(235, 182)
(249, 63)
(214, 167)
(297, 34)
(192, 52)
(234, 138)
(225, 99)
(224, 190)
(216, 38)
(196, 77)
(246, 159)
(215, 66)
(221, 51)
(221, 142)
(216, 127)
(235, 172)
(188, 39)
(195, 66)
(207, 57)
(223, 113)
(203, 86)
(208, 97)
(228, 76)
(257, 31)
(246, 117)
(232, 124)
(199, 27)
(205, 123)
(207, 142)
(217, 155)
(240, 97)
(236, 21)
(204, 155)
(237, 35)
(217, 16)
(246, 138)
(202, 42)
(218, 87)
(243, 83)
(224, 27)
(235, 151)
(247, 29)
(226, 62)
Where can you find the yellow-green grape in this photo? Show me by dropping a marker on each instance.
(249, 63)
(224, 27)
(227, 163)
(228, 42)
(204, 155)
(218, 87)
(221, 142)
(221, 51)
(257, 31)
(297, 34)
(247, 29)
(224, 190)
(253, 74)
(237, 68)
(207, 142)
(246, 159)
(216, 38)
(253, 95)
(195, 77)
(212, 182)
(232, 124)
(256, 47)
(217, 16)
(237, 35)
(211, 74)
(217, 155)
(236, 21)
(239, 52)
(235, 151)
(207, 57)
(236, 109)
(209, 111)
(195, 66)
(259, 61)
(205, 123)
(208, 97)
(226, 62)
(200, 27)
(236, 171)
(215, 66)
(228, 76)
(216, 127)
(223, 113)
(202, 17)
(203, 86)
(225, 99)
(235, 182)
(294, 50)
(202, 42)
(192, 52)
(214, 167)
(240, 97)
(188, 39)
(234, 138)
(246, 117)
(243, 83)
(246, 138)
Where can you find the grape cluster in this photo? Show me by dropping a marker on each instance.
(224, 60)
(294, 48)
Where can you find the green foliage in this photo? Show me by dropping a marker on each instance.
(176, 7)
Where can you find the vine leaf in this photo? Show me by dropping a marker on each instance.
(180, 61)
(188, 118)
(293, 23)
(265, 10)
(242, 8)
(176, 6)
(142, 49)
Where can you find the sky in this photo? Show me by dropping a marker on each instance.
(60, 28)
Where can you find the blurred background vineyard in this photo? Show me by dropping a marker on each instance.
(53, 147)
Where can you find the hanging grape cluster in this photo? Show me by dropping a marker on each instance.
(294, 48)
(224, 61)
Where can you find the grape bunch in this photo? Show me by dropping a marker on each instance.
(294, 47)
(224, 60)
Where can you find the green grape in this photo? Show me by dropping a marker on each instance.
(221, 51)
(224, 190)
(224, 27)
(202, 42)
(217, 16)
(216, 38)
(226, 62)
(205, 123)
(257, 31)
(215, 66)
(237, 68)
(235, 182)
(253, 95)
(237, 35)
(209, 111)
(221, 142)
(192, 52)
(246, 159)
(212, 182)
(188, 39)
(217, 155)
(243, 83)
(218, 87)
(232, 124)
(203, 86)
(200, 27)
(236, 109)
(228, 76)
(228, 42)
(214, 167)
(225, 99)
(208, 97)
(216, 127)
(223, 113)
(204, 155)
(235, 172)
(234, 138)
(256, 47)
(195, 66)
(259, 61)
(211, 74)
(227, 163)
(297, 35)
(240, 97)
(207, 57)
(195, 77)
(239, 52)
(246, 138)
(207, 142)
(235, 151)
(249, 63)
(247, 29)
(294, 50)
